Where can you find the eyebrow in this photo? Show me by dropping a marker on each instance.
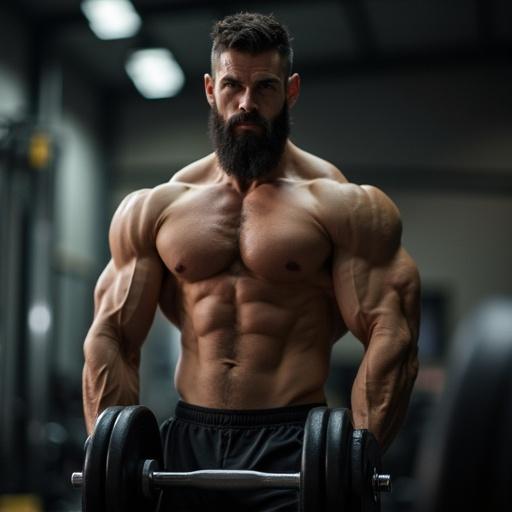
(269, 80)
(232, 78)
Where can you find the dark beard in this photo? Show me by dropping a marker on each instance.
(249, 155)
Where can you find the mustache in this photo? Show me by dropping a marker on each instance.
(247, 118)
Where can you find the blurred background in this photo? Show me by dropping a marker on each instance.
(413, 96)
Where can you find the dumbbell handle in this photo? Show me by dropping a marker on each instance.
(209, 479)
(224, 479)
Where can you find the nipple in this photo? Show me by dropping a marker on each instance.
(180, 268)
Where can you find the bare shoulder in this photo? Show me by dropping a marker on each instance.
(359, 217)
(311, 167)
(196, 172)
(147, 204)
(141, 213)
(379, 218)
(138, 217)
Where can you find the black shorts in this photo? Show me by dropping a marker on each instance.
(268, 440)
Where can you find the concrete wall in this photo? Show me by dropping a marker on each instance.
(460, 118)
(462, 243)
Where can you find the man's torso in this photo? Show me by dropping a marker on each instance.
(249, 285)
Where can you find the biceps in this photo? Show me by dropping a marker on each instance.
(126, 299)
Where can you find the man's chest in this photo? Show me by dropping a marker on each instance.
(272, 232)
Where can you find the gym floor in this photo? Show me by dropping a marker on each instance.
(413, 97)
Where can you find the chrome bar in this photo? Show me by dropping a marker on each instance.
(225, 479)
(76, 480)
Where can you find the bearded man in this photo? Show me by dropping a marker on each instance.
(262, 255)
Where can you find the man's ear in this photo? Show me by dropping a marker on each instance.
(293, 89)
(209, 86)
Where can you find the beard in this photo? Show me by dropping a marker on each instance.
(249, 155)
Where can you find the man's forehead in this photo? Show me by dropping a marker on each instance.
(235, 62)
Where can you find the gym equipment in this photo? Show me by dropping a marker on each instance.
(459, 468)
(312, 488)
(337, 460)
(135, 437)
(93, 491)
(133, 476)
(365, 464)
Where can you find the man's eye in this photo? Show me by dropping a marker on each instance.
(267, 85)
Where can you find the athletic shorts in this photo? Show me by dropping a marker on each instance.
(268, 440)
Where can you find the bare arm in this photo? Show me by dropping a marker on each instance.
(126, 297)
(377, 288)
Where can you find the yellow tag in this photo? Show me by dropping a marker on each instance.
(39, 151)
(20, 503)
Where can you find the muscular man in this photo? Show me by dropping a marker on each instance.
(263, 256)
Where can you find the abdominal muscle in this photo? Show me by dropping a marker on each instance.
(250, 344)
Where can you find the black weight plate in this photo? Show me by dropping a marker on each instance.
(358, 441)
(337, 459)
(96, 448)
(366, 460)
(312, 476)
(135, 438)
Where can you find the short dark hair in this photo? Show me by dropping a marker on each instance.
(252, 33)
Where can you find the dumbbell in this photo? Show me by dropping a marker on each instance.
(340, 467)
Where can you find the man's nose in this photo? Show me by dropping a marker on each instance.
(247, 102)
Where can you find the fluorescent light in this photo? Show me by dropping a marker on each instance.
(155, 73)
(111, 19)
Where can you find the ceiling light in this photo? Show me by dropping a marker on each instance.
(111, 19)
(155, 73)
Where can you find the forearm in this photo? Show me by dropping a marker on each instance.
(383, 385)
(109, 376)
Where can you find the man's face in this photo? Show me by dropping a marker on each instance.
(249, 96)
(246, 82)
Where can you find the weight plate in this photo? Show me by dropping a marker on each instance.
(312, 476)
(365, 459)
(135, 438)
(337, 459)
(96, 448)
